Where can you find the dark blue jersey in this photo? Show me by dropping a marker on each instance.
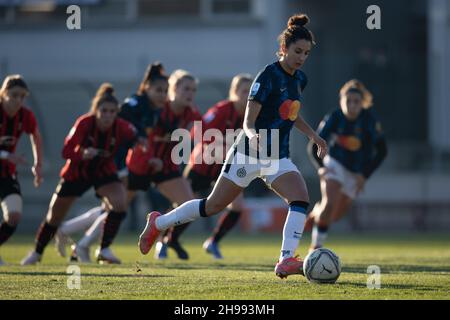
(138, 110)
(357, 144)
(280, 95)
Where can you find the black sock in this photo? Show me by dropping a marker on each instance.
(226, 223)
(111, 227)
(6, 231)
(176, 232)
(45, 233)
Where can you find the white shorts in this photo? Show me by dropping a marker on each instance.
(242, 169)
(336, 171)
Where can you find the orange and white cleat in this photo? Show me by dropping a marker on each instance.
(289, 266)
(150, 233)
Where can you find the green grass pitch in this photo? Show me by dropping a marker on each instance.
(413, 266)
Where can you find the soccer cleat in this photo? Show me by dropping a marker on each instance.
(80, 254)
(32, 258)
(105, 255)
(212, 247)
(61, 240)
(181, 252)
(161, 250)
(150, 233)
(289, 266)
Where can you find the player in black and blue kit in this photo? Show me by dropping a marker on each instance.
(142, 109)
(272, 109)
(357, 148)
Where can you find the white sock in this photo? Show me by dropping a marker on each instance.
(318, 236)
(80, 223)
(187, 212)
(93, 234)
(292, 232)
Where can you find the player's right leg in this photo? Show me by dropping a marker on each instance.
(12, 209)
(224, 192)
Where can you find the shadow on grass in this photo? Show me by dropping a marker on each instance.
(390, 286)
(100, 275)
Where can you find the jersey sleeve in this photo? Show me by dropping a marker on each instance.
(30, 123)
(327, 126)
(261, 87)
(72, 144)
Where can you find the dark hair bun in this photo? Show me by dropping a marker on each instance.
(298, 20)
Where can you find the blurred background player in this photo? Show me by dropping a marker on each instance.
(89, 149)
(274, 103)
(227, 114)
(142, 109)
(357, 148)
(15, 119)
(178, 112)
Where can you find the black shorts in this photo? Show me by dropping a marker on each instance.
(78, 187)
(143, 182)
(200, 183)
(8, 186)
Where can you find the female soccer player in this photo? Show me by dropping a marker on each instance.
(271, 112)
(142, 110)
(15, 119)
(357, 148)
(89, 149)
(227, 114)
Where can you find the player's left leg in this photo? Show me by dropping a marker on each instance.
(114, 196)
(292, 188)
(226, 222)
(178, 191)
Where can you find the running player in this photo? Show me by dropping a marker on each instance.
(227, 114)
(89, 149)
(15, 119)
(178, 112)
(271, 112)
(357, 148)
(142, 110)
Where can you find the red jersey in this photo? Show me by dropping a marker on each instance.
(221, 116)
(85, 134)
(160, 140)
(11, 128)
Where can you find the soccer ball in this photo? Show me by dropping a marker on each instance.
(322, 266)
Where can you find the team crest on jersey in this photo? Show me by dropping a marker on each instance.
(289, 110)
(132, 102)
(255, 88)
(241, 173)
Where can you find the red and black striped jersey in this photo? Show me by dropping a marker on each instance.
(84, 134)
(11, 128)
(167, 123)
(221, 116)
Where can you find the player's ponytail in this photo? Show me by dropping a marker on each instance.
(105, 93)
(153, 73)
(13, 80)
(357, 86)
(295, 31)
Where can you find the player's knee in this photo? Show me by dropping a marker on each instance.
(13, 218)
